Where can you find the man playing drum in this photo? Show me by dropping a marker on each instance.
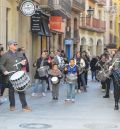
(7, 64)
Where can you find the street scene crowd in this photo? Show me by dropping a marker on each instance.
(52, 70)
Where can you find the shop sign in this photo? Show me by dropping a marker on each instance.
(36, 22)
(55, 22)
(68, 41)
(27, 8)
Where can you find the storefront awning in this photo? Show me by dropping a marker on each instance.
(41, 32)
(45, 27)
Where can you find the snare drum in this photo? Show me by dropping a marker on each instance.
(55, 80)
(20, 80)
(71, 78)
(43, 71)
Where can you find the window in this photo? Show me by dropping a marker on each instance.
(111, 24)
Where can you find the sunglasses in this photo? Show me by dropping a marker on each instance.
(15, 44)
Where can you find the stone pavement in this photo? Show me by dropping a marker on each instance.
(90, 111)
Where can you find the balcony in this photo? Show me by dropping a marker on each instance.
(62, 8)
(78, 5)
(93, 24)
(46, 4)
(102, 2)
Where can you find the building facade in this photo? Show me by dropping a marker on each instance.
(77, 31)
(92, 27)
(15, 25)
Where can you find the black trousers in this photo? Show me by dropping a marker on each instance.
(2, 90)
(12, 96)
(86, 77)
(106, 85)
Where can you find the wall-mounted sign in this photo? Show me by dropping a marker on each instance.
(68, 41)
(27, 8)
(55, 22)
(36, 22)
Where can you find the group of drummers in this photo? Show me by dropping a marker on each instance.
(54, 69)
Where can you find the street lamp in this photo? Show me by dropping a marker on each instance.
(90, 12)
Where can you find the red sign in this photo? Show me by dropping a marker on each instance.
(55, 22)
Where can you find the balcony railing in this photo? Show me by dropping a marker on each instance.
(62, 7)
(93, 24)
(57, 7)
(78, 5)
(46, 4)
(100, 2)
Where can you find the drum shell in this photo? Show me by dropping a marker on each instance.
(43, 71)
(20, 83)
(103, 75)
(71, 78)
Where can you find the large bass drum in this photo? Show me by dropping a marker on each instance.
(103, 75)
(43, 71)
(71, 78)
(20, 81)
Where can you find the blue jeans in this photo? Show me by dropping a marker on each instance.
(71, 91)
(93, 74)
(37, 84)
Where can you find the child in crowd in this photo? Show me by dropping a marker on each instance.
(55, 76)
(72, 71)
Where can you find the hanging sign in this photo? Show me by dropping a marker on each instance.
(27, 8)
(36, 22)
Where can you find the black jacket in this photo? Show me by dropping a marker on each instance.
(93, 64)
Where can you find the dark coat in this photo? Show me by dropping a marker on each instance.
(93, 64)
(8, 60)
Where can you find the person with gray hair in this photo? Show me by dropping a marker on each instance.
(7, 64)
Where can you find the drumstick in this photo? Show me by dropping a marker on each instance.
(11, 72)
(18, 63)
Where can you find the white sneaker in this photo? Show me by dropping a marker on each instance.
(73, 100)
(67, 100)
(34, 94)
(43, 94)
(75, 91)
(111, 91)
(3, 100)
(79, 91)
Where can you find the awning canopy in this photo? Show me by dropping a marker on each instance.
(41, 32)
(44, 27)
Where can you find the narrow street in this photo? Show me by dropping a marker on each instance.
(90, 111)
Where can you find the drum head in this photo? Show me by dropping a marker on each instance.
(54, 79)
(17, 75)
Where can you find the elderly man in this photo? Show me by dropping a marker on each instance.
(7, 62)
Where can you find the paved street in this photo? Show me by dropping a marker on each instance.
(90, 111)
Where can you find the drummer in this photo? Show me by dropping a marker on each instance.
(72, 70)
(41, 61)
(55, 72)
(7, 64)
